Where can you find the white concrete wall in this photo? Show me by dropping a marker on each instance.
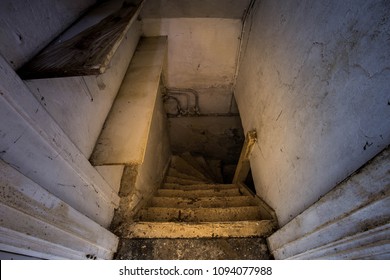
(28, 26)
(194, 9)
(202, 56)
(313, 82)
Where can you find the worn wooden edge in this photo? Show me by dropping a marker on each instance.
(261, 228)
(243, 165)
(48, 64)
(216, 215)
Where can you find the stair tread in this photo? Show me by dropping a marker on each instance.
(198, 193)
(217, 214)
(211, 202)
(94, 46)
(262, 228)
(183, 166)
(202, 186)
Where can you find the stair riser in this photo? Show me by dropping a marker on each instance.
(197, 215)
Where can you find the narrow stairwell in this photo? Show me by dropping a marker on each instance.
(194, 204)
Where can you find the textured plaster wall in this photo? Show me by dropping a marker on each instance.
(202, 56)
(28, 26)
(314, 82)
(194, 9)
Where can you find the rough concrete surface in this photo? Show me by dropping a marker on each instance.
(193, 249)
(313, 82)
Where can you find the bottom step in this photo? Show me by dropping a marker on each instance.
(261, 228)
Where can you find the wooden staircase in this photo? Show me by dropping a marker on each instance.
(193, 203)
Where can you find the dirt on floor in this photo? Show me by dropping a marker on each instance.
(194, 249)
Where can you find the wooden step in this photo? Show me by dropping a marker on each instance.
(195, 215)
(175, 173)
(198, 193)
(202, 186)
(212, 202)
(184, 167)
(261, 228)
(89, 51)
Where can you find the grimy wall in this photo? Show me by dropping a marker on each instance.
(201, 60)
(314, 82)
(20, 20)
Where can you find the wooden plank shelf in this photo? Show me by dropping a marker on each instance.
(88, 52)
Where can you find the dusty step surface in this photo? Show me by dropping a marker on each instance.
(198, 215)
(201, 186)
(198, 193)
(193, 249)
(204, 202)
(260, 228)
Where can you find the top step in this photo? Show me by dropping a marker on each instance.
(88, 46)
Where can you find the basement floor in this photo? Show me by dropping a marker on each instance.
(194, 249)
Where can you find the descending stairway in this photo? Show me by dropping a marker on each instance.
(193, 203)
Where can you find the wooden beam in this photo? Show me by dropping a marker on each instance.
(87, 53)
(243, 165)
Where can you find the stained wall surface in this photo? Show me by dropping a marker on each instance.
(313, 81)
(204, 39)
(20, 20)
